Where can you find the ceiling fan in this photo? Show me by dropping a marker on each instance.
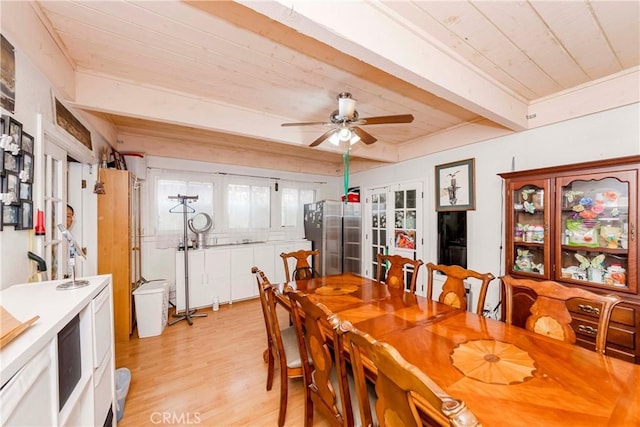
(345, 123)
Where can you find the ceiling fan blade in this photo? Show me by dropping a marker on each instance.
(378, 120)
(324, 136)
(305, 124)
(364, 136)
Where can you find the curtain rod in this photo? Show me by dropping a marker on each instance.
(239, 174)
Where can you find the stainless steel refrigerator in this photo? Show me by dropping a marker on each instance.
(334, 228)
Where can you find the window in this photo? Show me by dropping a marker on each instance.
(167, 218)
(452, 238)
(248, 206)
(292, 205)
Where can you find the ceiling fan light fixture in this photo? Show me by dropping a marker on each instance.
(354, 139)
(345, 134)
(335, 139)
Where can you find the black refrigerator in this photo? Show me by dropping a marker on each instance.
(334, 228)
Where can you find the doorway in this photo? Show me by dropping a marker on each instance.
(393, 225)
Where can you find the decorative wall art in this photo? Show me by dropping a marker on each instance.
(67, 121)
(16, 175)
(7, 75)
(455, 186)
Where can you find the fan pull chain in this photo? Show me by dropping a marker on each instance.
(345, 159)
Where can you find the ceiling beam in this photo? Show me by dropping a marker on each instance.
(114, 96)
(402, 50)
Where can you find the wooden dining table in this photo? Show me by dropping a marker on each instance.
(506, 375)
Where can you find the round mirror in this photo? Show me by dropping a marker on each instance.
(200, 223)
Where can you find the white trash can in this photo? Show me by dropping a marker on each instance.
(152, 307)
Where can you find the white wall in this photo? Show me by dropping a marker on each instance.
(613, 133)
(158, 261)
(33, 96)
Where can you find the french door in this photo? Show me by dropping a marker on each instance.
(55, 196)
(393, 225)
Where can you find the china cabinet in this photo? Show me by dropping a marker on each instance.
(577, 225)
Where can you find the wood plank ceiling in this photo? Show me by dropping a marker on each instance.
(214, 80)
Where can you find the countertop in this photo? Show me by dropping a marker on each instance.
(55, 308)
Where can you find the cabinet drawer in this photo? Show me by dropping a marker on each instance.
(621, 313)
(610, 351)
(586, 328)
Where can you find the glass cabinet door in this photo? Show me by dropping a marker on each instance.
(530, 228)
(595, 228)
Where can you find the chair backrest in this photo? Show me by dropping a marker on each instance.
(394, 276)
(453, 291)
(398, 385)
(303, 269)
(549, 313)
(317, 321)
(268, 302)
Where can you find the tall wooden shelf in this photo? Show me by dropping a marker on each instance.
(558, 220)
(119, 244)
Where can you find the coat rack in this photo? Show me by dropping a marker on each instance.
(188, 312)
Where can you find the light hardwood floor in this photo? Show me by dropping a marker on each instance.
(208, 374)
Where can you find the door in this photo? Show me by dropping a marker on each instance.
(55, 196)
(393, 225)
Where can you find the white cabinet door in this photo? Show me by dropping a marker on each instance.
(264, 259)
(200, 295)
(218, 273)
(243, 282)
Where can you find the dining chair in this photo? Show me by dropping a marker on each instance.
(549, 313)
(303, 269)
(400, 387)
(391, 270)
(453, 291)
(326, 382)
(282, 344)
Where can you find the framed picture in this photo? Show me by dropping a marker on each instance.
(70, 123)
(10, 214)
(10, 162)
(2, 122)
(8, 75)
(12, 186)
(27, 143)
(118, 160)
(27, 167)
(26, 191)
(455, 186)
(14, 128)
(25, 219)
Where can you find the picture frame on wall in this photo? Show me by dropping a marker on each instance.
(14, 128)
(25, 219)
(10, 214)
(455, 186)
(8, 75)
(26, 191)
(27, 143)
(11, 163)
(26, 166)
(12, 186)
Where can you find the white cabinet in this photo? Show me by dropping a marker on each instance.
(34, 382)
(31, 389)
(218, 272)
(243, 282)
(209, 276)
(225, 271)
